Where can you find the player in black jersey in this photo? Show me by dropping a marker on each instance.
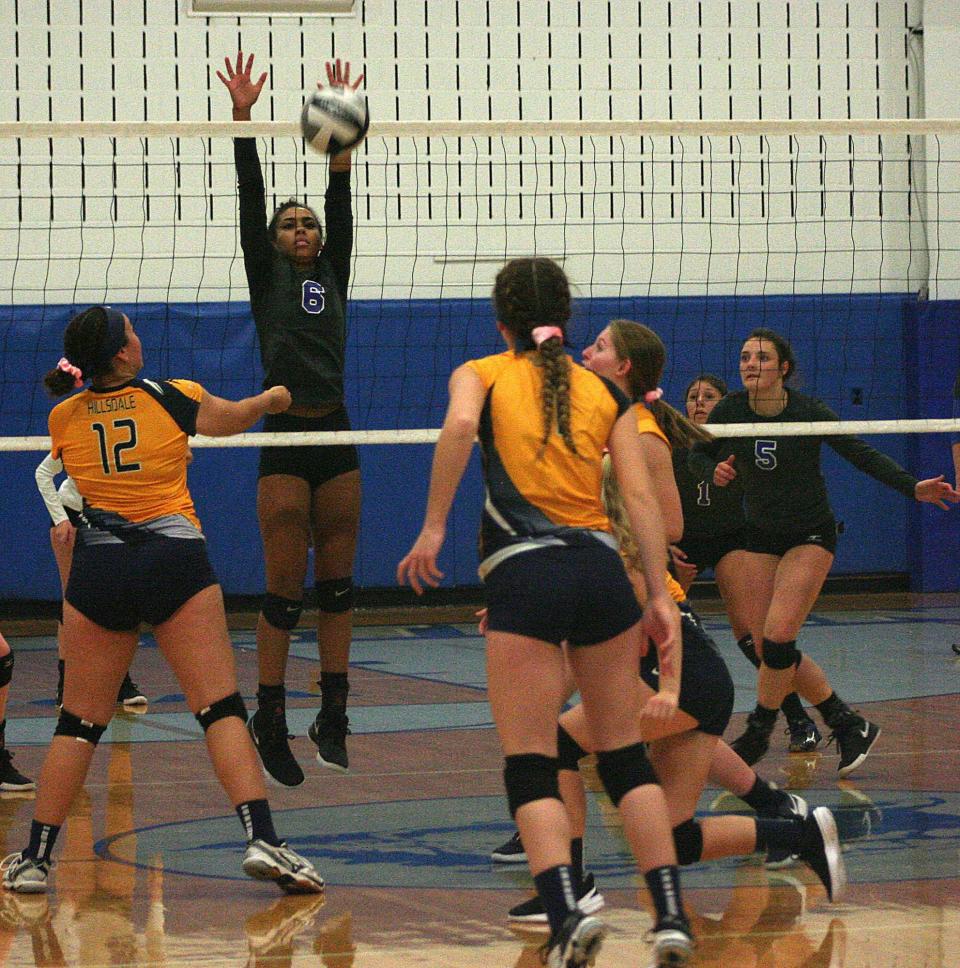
(298, 283)
(791, 534)
(714, 536)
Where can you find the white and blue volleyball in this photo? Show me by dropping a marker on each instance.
(334, 119)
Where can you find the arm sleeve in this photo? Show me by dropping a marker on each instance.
(864, 457)
(338, 213)
(46, 471)
(257, 251)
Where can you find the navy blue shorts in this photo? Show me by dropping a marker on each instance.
(316, 465)
(823, 535)
(706, 551)
(579, 593)
(706, 689)
(119, 586)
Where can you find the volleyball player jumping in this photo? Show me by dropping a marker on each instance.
(298, 294)
(552, 573)
(140, 556)
(792, 535)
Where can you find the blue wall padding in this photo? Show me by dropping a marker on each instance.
(399, 358)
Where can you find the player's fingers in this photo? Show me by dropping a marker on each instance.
(239, 61)
(358, 81)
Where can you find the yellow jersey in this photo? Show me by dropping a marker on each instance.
(126, 450)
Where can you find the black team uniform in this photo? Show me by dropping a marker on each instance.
(786, 505)
(714, 525)
(300, 317)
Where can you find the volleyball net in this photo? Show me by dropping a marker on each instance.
(842, 236)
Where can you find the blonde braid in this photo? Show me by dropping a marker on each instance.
(619, 523)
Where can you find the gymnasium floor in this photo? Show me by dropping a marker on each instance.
(148, 864)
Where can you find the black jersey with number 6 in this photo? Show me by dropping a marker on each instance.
(300, 314)
(783, 484)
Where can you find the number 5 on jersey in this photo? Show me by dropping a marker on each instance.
(765, 452)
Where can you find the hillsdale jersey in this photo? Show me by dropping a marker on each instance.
(125, 449)
(300, 315)
(540, 494)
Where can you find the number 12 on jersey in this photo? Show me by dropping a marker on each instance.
(126, 426)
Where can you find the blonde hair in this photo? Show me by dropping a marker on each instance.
(617, 513)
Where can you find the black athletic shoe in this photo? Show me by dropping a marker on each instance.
(576, 943)
(329, 731)
(11, 779)
(820, 849)
(511, 852)
(532, 911)
(752, 745)
(270, 736)
(791, 807)
(130, 694)
(672, 943)
(804, 735)
(854, 737)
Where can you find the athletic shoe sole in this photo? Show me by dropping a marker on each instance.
(850, 767)
(261, 868)
(585, 943)
(672, 949)
(336, 767)
(831, 846)
(589, 904)
(509, 858)
(8, 787)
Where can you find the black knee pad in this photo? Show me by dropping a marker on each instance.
(746, 646)
(335, 594)
(231, 705)
(688, 840)
(6, 669)
(529, 777)
(569, 751)
(624, 770)
(282, 613)
(781, 655)
(81, 729)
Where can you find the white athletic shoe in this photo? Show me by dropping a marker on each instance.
(292, 873)
(24, 875)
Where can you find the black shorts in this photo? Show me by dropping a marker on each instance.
(578, 593)
(118, 586)
(823, 535)
(316, 465)
(706, 689)
(706, 551)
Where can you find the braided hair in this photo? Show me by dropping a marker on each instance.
(529, 294)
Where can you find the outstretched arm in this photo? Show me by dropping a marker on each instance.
(450, 458)
(217, 417)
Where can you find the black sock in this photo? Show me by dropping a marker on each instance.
(763, 797)
(766, 716)
(257, 821)
(746, 646)
(42, 838)
(833, 709)
(272, 700)
(576, 863)
(334, 688)
(3, 734)
(784, 834)
(792, 707)
(664, 885)
(555, 887)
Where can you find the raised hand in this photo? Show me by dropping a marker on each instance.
(724, 472)
(244, 92)
(338, 75)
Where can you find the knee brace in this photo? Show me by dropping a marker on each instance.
(335, 594)
(624, 770)
(282, 613)
(6, 669)
(688, 841)
(746, 646)
(529, 777)
(81, 729)
(781, 655)
(231, 705)
(569, 751)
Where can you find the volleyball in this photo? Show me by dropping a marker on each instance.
(334, 119)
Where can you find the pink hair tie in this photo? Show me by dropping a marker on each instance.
(74, 371)
(652, 395)
(542, 333)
